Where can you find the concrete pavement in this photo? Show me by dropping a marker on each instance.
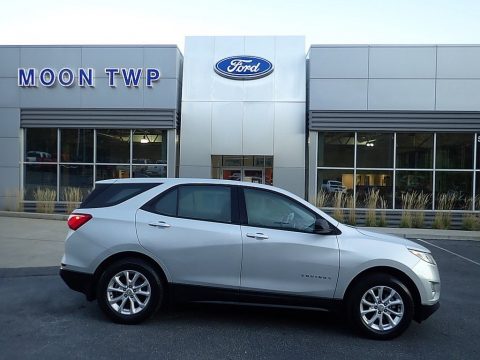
(28, 242)
(39, 242)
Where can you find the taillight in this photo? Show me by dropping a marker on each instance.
(77, 220)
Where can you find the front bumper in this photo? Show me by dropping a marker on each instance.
(423, 312)
(80, 282)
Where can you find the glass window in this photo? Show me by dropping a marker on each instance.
(454, 151)
(268, 209)
(165, 205)
(336, 149)
(477, 191)
(457, 184)
(113, 194)
(76, 145)
(248, 161)
(259, 161)
(413, 182)
(232, 160)
(105, 172)
(268, 176)
(149, 147)
(149, 170)
(113, 146)
(331, 182)
(202, 202)
(414, 150)
(41, 145)
(369, 181)
(75, 182)
(268, 161)
(375, 150)
(216, 161)
(478, 151)
(40, 177)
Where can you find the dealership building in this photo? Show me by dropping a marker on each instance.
(351, 118)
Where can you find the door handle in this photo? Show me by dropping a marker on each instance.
(159, 224)
(258, 236)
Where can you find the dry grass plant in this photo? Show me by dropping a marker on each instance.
(371, 200)
(407, 204)
(45, 199)
(420, 203)
(322, 198)
(351, 202)
(73, 196)
(470, 219)
(443, 216)
(339, 204)
(13, 200)
(382, 221)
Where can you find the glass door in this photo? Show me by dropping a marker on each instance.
(232, 174)
(253, 176)
(248, 175)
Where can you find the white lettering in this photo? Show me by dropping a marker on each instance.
(47, 77)
(86, 77)
(26, 77)
(83, 77)
(240, 66)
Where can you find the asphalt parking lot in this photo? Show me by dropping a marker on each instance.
(42, 318)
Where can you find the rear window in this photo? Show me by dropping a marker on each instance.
(198, 202)
(105, 195)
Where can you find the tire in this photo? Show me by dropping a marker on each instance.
(129, 301)
(380, 306)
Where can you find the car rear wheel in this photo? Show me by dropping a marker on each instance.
(129, 291)
(380, 306)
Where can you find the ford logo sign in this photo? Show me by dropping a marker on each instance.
(243, 67)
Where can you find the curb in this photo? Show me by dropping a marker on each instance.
(428, 234)
(29, 271)
(27, 215)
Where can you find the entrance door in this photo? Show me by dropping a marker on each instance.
(252, 175)
(232, 174)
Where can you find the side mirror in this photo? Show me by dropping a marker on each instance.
(322, 227)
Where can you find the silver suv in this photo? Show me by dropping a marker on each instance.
(136, 243)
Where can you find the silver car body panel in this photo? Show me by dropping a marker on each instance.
(195, 252)
(290, 262)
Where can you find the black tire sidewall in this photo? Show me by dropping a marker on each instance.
(356, 296)
(146, 270)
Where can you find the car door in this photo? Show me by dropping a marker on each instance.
(191, 231)
(281, 253)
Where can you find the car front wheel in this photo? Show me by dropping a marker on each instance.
(129, 291)
(380, 306)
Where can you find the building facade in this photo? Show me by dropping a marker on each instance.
(398, 119)
(72, 115)
(394, 120)
(251, 130)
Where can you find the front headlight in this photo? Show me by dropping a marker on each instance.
(423, 256)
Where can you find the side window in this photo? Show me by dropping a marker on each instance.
(202, 202)
(267, 209)
(105, 195)
(166, 204)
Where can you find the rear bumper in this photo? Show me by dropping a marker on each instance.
(424, 311)
(80, 282)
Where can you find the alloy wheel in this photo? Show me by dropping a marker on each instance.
(381, 308)
(128, 292)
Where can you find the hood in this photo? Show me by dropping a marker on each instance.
(393, 239)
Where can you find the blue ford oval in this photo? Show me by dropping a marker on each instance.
(243, 67)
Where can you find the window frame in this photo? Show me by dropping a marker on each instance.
(58, 162)
(234, 203)
(244, 216)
